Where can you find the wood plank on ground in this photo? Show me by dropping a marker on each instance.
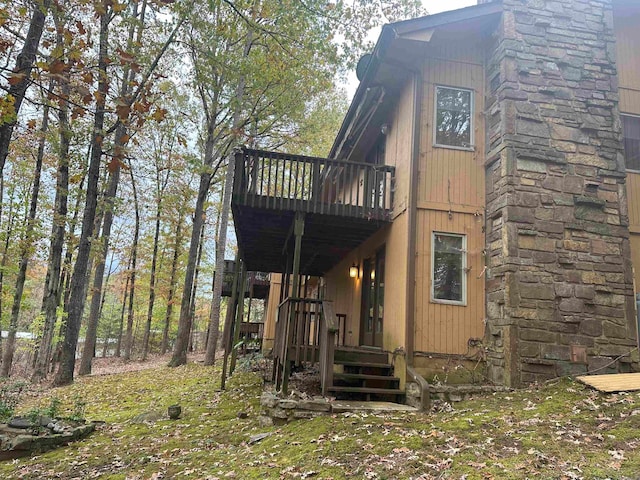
(616, 382)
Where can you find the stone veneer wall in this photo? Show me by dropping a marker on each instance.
(559, 288)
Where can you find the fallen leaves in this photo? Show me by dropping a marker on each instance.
(564, 431)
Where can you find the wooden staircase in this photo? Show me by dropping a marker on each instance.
(364, 374)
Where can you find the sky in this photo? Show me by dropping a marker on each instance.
(433, 7)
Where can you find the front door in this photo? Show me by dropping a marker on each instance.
(372, 301)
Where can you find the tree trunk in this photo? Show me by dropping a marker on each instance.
(65, 281)
(122, 310)
(194, 291)
(152, 282)
(22, 70)
(184, 324)
(52, 289)
(172, 284)
(79, 277)
(25, 251)
(128, 344)
(5, 255)
(98, 279)
(214, 318)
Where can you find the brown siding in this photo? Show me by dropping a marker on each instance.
(448, 175)
(345, 291)
(271, 312)
(628, 56)
(633, 196)
(450, 181)
(444, 328)
(627, 41)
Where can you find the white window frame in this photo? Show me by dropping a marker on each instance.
(463, 302)
(633, 115)
(471, 147)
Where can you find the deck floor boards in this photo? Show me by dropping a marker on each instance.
(617, 382)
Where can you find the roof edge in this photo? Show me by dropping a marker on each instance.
(390, 32)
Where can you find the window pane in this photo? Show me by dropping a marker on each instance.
(631, 129)
(447, 268)
(453, 117)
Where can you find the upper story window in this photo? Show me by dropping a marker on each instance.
(631, 133)
(454, 114)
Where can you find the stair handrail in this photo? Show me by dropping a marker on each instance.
(329, 327)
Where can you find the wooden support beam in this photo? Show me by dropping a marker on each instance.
(229, 321)
(238, 320)
(298, 230)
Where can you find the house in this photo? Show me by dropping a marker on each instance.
(479, 212)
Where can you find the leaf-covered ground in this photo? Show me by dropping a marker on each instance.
(560, 431)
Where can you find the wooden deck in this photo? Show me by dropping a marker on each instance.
(617, 382)
(343, 204)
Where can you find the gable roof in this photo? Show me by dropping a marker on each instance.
(415, 29)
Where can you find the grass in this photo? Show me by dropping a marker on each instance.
(563, 430)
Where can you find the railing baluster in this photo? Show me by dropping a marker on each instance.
(315, 186)
(357, 188)
(322, 188)
(269, 194)
(351, 186)
(262, 167)
(384, 190)
(295, 186)
(282, 185)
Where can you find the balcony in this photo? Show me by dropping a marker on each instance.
(342, 203)
(257, 285)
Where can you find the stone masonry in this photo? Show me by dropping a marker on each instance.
(559, 288)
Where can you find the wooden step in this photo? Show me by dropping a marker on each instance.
(377, 391)
(357, 354)
(363, 376)
(386, 366)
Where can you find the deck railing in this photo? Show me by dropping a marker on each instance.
(313, 185)
(297, 330)
(255, 278)
(329, 328)
(306, 331)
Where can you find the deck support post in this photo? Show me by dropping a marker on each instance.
(252, 280)
(238, 320)
(229, 321)
(278, 366)
(298, 231)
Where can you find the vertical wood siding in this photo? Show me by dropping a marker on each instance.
(345, 292)
(442, 328)
(272, 311)
(628, 62)
(451, 180)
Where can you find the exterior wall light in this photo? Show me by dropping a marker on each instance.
(353, 271)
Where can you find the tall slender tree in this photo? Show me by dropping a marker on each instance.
(25, 250)
(21, 76)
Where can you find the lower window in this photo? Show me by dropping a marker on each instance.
(449, 261)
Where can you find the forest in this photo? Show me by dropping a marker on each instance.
(118, 120)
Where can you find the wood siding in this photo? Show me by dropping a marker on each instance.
(442, 328)
(451, 200)
(271, 312)
(344, 291)
(628, 60)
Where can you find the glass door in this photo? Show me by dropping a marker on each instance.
(372, 319)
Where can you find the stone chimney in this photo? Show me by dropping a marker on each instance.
(559, 286)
